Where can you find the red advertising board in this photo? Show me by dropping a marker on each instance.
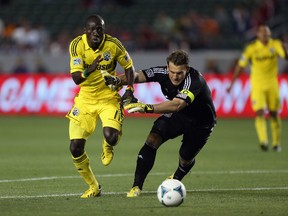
(53, 95)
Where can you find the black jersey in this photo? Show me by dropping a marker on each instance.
(201, 110)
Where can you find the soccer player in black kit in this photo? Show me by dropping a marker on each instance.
(189, 111)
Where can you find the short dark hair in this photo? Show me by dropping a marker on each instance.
(178, 57)
(94, 18)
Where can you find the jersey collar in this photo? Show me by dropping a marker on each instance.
(261, 44)
(87, 47)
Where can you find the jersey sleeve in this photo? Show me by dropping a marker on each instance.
(186, 95)
(279, 48)
(154, 74)
(76, 49)
(245, 57)
(123, 56)
(192, 89)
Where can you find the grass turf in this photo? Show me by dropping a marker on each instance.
(231, 176)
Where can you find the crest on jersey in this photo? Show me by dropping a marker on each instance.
(272, 50)
(107, 56)
(76, 61)
(75, 111)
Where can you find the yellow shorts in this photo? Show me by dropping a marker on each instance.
(84, 116)
(266, 97)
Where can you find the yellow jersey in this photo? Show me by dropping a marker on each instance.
(263, 60)
(82, 56)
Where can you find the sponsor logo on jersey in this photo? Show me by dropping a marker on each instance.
(264, 58)
(100, 67)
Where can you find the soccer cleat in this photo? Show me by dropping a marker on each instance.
(264, 147)
(277, 148)
(107, 154)
(134, 192)
(92, 192)
(171, 176)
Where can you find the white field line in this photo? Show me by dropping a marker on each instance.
(151, 174)
(145, 192)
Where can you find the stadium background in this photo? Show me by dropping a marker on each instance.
(35, 34)
(232, 177)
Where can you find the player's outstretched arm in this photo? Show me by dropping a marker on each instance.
(174, 105)
(238, 70)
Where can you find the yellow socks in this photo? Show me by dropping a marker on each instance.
(275, 125)
(261, 129)
(82, 165)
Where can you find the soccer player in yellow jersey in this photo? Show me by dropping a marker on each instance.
(93, 56)
(262, 55)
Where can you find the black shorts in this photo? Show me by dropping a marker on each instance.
(194, 136)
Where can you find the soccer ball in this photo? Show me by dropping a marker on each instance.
(171, 193)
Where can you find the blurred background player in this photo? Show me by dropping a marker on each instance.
(189, 112)
(91, 53)
(262, 54)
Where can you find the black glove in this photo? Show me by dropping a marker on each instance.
(113, 82)
(128, 96)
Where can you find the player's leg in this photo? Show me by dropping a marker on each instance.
(258, 100)
(145, 161)
(275, 120)
(164, 128)
(275, 125)
(193, 141)
(112, 119)
(81, 160)
(81, 126)
(111, 138)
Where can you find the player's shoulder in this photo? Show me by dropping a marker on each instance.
(160, 69)
(194, 72)
(276, 41)
(113, 41)
(250, 46)
(76, 46)
(158, 72)
(77, 40)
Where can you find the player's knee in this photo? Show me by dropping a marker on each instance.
(77, 147)
(273, 114)
(260, 112)
(154, 140)
(111, 136)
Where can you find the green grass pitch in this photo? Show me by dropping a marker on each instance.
(231, 176)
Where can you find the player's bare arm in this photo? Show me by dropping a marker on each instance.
(174, 105)
(130, 75)
(79, 77)
(236, 74)
(139, 77)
